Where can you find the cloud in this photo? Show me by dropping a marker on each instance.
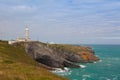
(22, 8)
(62, 19)
(110, 38)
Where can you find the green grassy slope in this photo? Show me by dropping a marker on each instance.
(15, 64)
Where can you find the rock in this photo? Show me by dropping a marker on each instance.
(70, 64)
(59, 56)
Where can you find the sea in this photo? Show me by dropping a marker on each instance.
(108, 68)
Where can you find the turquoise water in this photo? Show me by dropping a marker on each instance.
(106, 69)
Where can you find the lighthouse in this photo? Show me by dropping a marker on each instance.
(27, 38)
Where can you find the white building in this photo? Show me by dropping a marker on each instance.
(26, 39)
(11, 41)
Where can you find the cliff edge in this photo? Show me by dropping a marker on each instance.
(16, 64)
(60, 55)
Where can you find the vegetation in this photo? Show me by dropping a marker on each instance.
(15, 64)
(70, 48)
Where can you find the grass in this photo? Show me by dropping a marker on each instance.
(16, 64)
(69, 48)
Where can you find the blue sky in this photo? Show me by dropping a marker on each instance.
(62, 21)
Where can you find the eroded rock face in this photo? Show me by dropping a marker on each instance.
(59, 56)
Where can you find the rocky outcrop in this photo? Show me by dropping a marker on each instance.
(59, 56)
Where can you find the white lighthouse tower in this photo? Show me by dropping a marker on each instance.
(27, 38)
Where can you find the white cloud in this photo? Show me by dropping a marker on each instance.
(22, 7)
(110, 37)
(63, 19)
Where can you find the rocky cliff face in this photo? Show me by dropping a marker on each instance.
(59, 56)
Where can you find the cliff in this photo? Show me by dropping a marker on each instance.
(16, 64)
(17, 61)
(60, 55)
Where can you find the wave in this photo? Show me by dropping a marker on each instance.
(115, 58)
(59, 71)
(82, 66)
(97, 55)
(95, 62)
(100, 60)
(104, 78)
(85, 75)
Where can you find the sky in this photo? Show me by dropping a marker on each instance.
(62, 21)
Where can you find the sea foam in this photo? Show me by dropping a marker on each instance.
(85, 75)
(82, 66)
(95, 62)
(100, 61)
(59, 71)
